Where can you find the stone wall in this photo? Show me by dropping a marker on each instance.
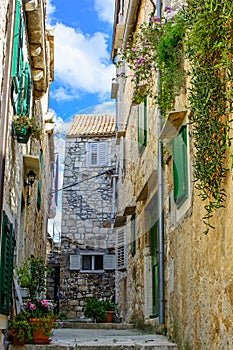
(198, 268)
(86, 225)
(20, 201)
(199, 304)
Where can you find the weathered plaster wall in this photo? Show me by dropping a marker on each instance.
(198, 267)
(199, 285)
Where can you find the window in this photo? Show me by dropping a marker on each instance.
(142, 125)
(92, 262)
(87, 262)
(180, 167)
(133, 234)
(98, 154)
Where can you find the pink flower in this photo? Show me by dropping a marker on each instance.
(32, 306)
(45, 303)
(167, 8)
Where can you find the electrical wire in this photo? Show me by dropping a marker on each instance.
(109, 172)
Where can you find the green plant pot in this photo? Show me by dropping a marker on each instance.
(22, 134)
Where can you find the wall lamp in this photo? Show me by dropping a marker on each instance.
(31, 178)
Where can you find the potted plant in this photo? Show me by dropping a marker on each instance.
(95, 309)
(32, 275)
(20, 329)
(24, 127)
(110, 309)
(39, 312)
(40, 315)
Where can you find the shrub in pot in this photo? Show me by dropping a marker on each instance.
(95, 309)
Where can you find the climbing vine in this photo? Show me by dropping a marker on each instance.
(209, 50)
(202, 33)
(156, 45)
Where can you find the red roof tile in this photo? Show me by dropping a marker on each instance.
(92, 125)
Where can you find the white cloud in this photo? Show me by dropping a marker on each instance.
(105, 108)
(50, 9)
(82, 61)
(105, 10)
(61, 94)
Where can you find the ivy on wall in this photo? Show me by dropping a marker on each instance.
(156, 45)
(202, 33)
(209, 49)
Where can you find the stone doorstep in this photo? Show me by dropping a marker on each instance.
(93, 347)
(87, 325)
(67, 338)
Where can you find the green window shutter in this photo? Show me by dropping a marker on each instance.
(16, 40)
(180, 167)
(18, 60)
(20, 91)
(133, 234)
(27, 90)
(142, 124)
(6, 267)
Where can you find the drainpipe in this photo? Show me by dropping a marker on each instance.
(5, 102)
(160, 205)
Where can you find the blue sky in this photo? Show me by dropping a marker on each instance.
(83, 68)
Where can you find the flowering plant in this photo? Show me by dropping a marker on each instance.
(156, 44)
(23, 121)
(40, 309)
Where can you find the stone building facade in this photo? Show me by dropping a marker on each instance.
(181, 278)
(87, 258)
(26, 66)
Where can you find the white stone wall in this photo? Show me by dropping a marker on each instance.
(86, 223)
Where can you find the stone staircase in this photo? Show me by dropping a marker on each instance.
(100, 336)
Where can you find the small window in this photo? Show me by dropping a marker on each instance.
(142, 125)
(180, 167)
(98, 154)
(92, 262)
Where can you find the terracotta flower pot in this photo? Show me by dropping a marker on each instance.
(15, 339)
(41, 330)
(109, 317)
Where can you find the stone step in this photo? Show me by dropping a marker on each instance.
(101, 339)
(87, 325)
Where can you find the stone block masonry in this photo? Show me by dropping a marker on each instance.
(87, 238)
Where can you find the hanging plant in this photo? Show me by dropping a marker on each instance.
(24, 127)
(209, 49)
(156, 45)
